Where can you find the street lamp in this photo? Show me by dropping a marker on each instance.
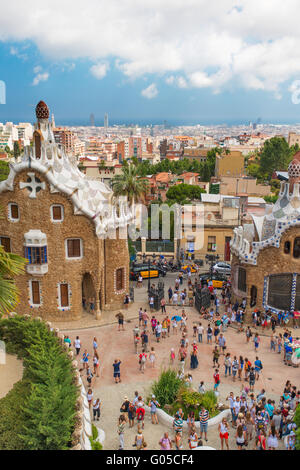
(211, 259)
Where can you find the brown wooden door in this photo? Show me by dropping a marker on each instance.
(35, 290)
(5, 242)
(64, 295)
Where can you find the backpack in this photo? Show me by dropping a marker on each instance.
(140, 413)
(143, 358)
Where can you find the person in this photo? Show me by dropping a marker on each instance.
(209, 333)
(194, 359)
(216, 355)
(89, 376)
(256, 342)
(249, 426)
(153, 404)
(248, 334)
(140, 411)
(142, 360)
(95, 344)
(89, 396)
(131, 413)
(240, 437)
(261, 440)
(236, 406)
(222, 343)
(163, 305)
(85, 359)
(241, 366)
(152, 357)
(77, 345)
(193, 440)
(227, 364)
(145, 339)
(257, 367)
(200, 331)
(120, 318)
(224, 433)
(92, 304)
(96, 409)
(172, 356)
(139, 281)
(117, 373)
(136, 342)
(165, 442)
(203, 418)
(121, 430)
(252, 379)
(178, 441)
(178, 422)
(272, 438)
(125, 406)
(234, 367)
(96, 364)
(158, 330)
(126, 301)
(216, 380)
(191, 421)
(170, 294)
(139, 439)
(145, 318)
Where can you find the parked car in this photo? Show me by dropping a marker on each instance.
(222, 268)
(135, 272)
(217, 279)
(144, 266)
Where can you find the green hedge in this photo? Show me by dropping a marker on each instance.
(46, 412)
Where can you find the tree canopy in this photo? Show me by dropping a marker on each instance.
(276, 155)
(182, 193)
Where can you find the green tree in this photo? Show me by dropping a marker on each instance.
(4, 170)
(17, 150)
(181, 193)
(129, 184)
(276, 155)
(11, 265)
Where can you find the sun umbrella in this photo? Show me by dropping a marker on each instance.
(177, 318)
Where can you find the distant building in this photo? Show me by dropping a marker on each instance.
(293, 139)
(231, 164)
(106, 120)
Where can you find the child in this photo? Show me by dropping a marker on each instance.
(194, 330)
(172, 356)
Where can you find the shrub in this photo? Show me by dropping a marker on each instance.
(48, 410)
(189, 400)
(297, 421)
(95, 444)
(167, 387)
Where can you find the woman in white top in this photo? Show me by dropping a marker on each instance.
(77, 345)
(174, 326)
(96, 364)
(223, 430)
(193, 440)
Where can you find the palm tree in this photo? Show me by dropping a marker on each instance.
(130, 184)
(10, 265)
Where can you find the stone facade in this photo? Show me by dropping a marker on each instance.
(271, 260)
(92, 274)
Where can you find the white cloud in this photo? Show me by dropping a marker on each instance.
(254, 44)
(40, 76)
(150, 92)
(99, 70)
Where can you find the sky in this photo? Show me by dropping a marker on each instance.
(188, 61)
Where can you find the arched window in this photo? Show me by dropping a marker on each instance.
(253, 294)
(287, 247)
(296, 251)
(242, 284)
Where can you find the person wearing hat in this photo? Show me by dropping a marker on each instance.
(125, 407)
(153, 404)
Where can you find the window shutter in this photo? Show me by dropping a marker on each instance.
(5, 242)
(35, 291)
(74, 248)
(56, 213)
(64, 295)
(14, 211)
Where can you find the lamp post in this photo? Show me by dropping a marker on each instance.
(211, 259)
(149, 267)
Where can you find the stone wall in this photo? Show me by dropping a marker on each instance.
(35, 214)
(270, 260)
